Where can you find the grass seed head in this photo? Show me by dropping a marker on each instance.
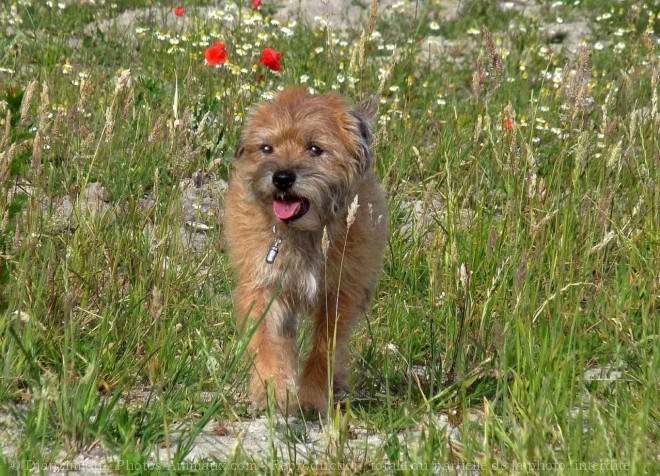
(58, 124)
(6, 160)
(522, 271)
(496, 68)
(352, 212)
(325, 242)
(609, 236)
(581, 151)
(388, 72)
(123, 80)
(85, 91)
(648, 44)
(6, 137)
(614, 158)
(156, 303)
(576, 89)
(463, 276)
(128, 105)
(44, 108)
(4, 221)
(157, 130)
(479, 76)
(109, 123)
(37, 150)
(27, 100)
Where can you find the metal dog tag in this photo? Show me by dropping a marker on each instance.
(272, 252)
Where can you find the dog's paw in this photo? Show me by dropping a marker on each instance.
(340, 383)
(313, 399)
(273, 393)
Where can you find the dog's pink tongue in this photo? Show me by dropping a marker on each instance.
(286, 208)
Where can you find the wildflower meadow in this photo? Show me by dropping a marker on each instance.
(516, 325)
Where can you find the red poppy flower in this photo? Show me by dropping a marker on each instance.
(256, 4)
(179, 11)
(216, 54)
(508, 124)
(271, 59)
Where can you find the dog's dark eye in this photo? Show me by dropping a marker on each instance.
(315, 150)
(267, 149)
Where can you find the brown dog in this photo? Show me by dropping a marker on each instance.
(302, 162)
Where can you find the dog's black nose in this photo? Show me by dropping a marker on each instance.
(284, 179)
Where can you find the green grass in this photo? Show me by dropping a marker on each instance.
(500, 288)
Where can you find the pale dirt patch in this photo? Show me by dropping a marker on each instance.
(262, 444)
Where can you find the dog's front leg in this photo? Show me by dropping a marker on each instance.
(326, 363)
(272, 346)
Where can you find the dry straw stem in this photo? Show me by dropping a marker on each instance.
(27, 100)
(522, 271)
(654, 97)
(553, 296)
(371, 26)
(390, 67)
(156, 181)
(609, 236)
(509, 112)
(373, 16)
(632, 129)
(537, 227)
(531, 174)
(532, 188)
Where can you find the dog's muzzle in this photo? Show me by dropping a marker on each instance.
(286, 205)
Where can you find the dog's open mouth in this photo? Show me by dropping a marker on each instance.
(289, 207)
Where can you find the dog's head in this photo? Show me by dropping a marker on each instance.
(301, 156)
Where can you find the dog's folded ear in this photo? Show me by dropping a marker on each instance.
(365, 113)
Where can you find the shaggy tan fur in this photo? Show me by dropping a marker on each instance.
(301, 163)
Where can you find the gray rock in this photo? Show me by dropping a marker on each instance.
(567, 34)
